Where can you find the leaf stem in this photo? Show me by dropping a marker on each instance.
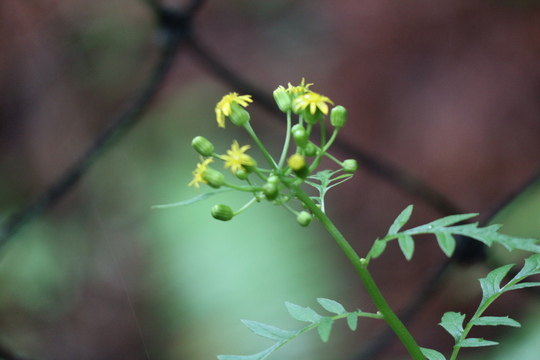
(361, 268)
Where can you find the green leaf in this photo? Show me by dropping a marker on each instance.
(378, 248)
(522, 285)
(406, 244)
(324, 328)
(453, 323)
(268, 331)
(192, 200)
(475, 342)
(332, 306)
(491, 284)
(401, 220)
(446, 242)
(449, 220)
(531, 267)
(431, 354)
(489, 235)
(352, 321)
(301, 313)
(495, 321)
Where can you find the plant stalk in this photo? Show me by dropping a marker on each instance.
(361, 268)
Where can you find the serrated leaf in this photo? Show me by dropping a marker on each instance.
(489, 235)
(324, 328)
(332, 306)
(431, 354)
(352, 321)
(406, 244)
(378, 248)
(446, 242)
(401, 220)
(452, 322)
(491, 284)
(495, 321)
(301, 313)
(476, 342)
(192, 200)
(449, 220)
(268, 331)
(531, 267)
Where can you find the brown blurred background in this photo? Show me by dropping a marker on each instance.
(448, 90)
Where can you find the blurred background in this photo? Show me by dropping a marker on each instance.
(448, 90)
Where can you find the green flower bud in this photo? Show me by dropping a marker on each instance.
(270, 191)
(222, 212)
(241, 174)
(202, 146)
(310, 149)
(239, 116)
(273, 179)
(350, 166)
(301, 137)
(304, 218)
(213, 177)
(283, 99)
(338, 116)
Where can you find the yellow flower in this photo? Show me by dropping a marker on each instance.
(236, 159)
(314, 101)
(199, 171)
(223, 107)
(297, 162)
(298, 90)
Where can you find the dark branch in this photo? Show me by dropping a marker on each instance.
(176, 26)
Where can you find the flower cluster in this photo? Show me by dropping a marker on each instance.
(281, 180)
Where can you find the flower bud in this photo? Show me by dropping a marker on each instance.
(350, 166)
(213, 177)
(310, 149)
(304, 218)
(283, 99)
(338, 116)
(270, 191)
(298, 165)
(222, 212)
(241, 174)
(297, 162)
(202, 146)
(273, 179)
(300, 136)
(239, 116)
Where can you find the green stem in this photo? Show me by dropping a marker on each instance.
(287, 141)
(265, 152)
(361, 268)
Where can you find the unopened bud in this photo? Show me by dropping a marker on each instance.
(304, 218)
(350, 166)
(270, 191)
(202, 146)
(300, 136)
(222, 212)
(283, 99)
(338, 116)
(214, 178)
(239, 116)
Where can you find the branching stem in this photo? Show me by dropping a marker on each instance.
(361, 268)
